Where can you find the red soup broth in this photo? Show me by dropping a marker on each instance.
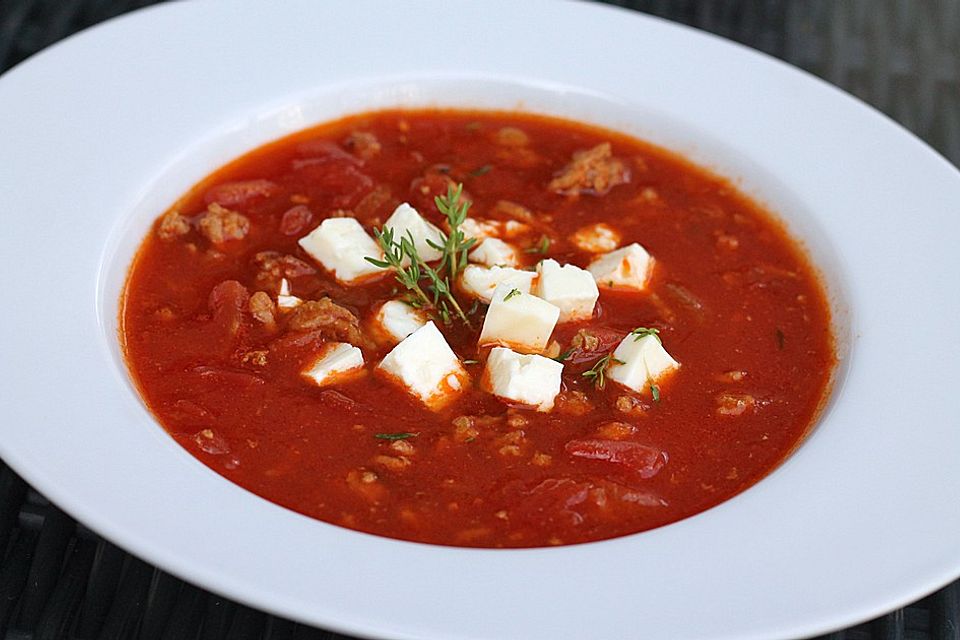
(735, 299)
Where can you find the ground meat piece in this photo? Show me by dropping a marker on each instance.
(262, 309)
(573, 403)
(518, 157)
(734, 375)
(616, 430)
(735, 404)
(256, 358)
(392, 463)
(172, 226)
(631, 406)
(513, 210)
(211, 442)
(512, 137)
(274, 266)
(220, 225)
(588, 345)
(585, 341)
(232, 194)
(403, 447)
(364, 144)
(295, 220)
(516, 419)
(336, 322)
(367, 484)
(542, 459)
(464, 429)
(593, 171)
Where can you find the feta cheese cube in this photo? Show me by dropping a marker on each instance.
(495, 252)
(524, 379)
(569, 287)
(480, 282)
(284, 299)
(425, 365)
(512, 229)
(518, 320)
(596, 238)
(340, 245)
(644, 359)
(627, 268)
(406, 220)
(480, 229)
(395, 320)
(333, 363)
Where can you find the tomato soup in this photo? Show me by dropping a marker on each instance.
(562, 334)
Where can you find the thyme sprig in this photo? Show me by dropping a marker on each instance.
(394, 253)
(642, 332)
(655, 392)
(410, 269)
(396, 436)
(455, 245)
(598, 373)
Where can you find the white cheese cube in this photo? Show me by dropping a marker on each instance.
(284, 299)
(406, 220)
(569, 287)
(512, 229)
(524, 379)
(518, 320)
(396, 320)
(340, 245)
(626, 268)
(481, 282)
(596, 238)
(335, 361)
(645, 361)
(480, 229)
(495, 252)
(425, 365)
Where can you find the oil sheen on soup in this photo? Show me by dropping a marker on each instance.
(477, 329)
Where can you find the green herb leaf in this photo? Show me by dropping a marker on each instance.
(597, 373)
(377, 263)
(455, 244)
(655, 392)
(396, 436)
(409, 268)
(511, 294)
(563, 355)
(541, 247)
(480, 171)
(642, 332)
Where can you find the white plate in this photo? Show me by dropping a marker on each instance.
(99, 134)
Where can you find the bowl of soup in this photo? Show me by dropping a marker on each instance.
(606, 328)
